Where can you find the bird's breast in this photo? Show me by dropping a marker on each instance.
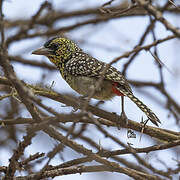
(86, 85)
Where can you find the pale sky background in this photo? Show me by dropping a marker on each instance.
(128, 31)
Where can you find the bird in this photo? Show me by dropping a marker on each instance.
(82, 71)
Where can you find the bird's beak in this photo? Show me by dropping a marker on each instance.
(42, 51)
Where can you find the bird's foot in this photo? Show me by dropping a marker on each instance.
(80, 101)
(121, 118)
(83, 101)
(124, 117)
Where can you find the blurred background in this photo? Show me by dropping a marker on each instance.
(105, 30)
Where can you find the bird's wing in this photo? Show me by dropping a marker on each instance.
(85, 65)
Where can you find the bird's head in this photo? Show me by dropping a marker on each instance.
(58, 50)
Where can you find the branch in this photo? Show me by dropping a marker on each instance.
(158, 16)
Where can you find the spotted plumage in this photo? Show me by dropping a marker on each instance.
(81, 72)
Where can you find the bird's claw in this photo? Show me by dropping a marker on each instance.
(121, 118)
(124, 117)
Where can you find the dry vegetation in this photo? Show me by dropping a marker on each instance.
(71, 130)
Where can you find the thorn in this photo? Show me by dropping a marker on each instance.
(52, 84)
(143, 126)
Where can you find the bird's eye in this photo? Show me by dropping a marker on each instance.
(53, 46)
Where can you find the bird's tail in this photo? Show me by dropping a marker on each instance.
(151, 116)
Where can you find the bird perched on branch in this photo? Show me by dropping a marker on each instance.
(81, 72)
